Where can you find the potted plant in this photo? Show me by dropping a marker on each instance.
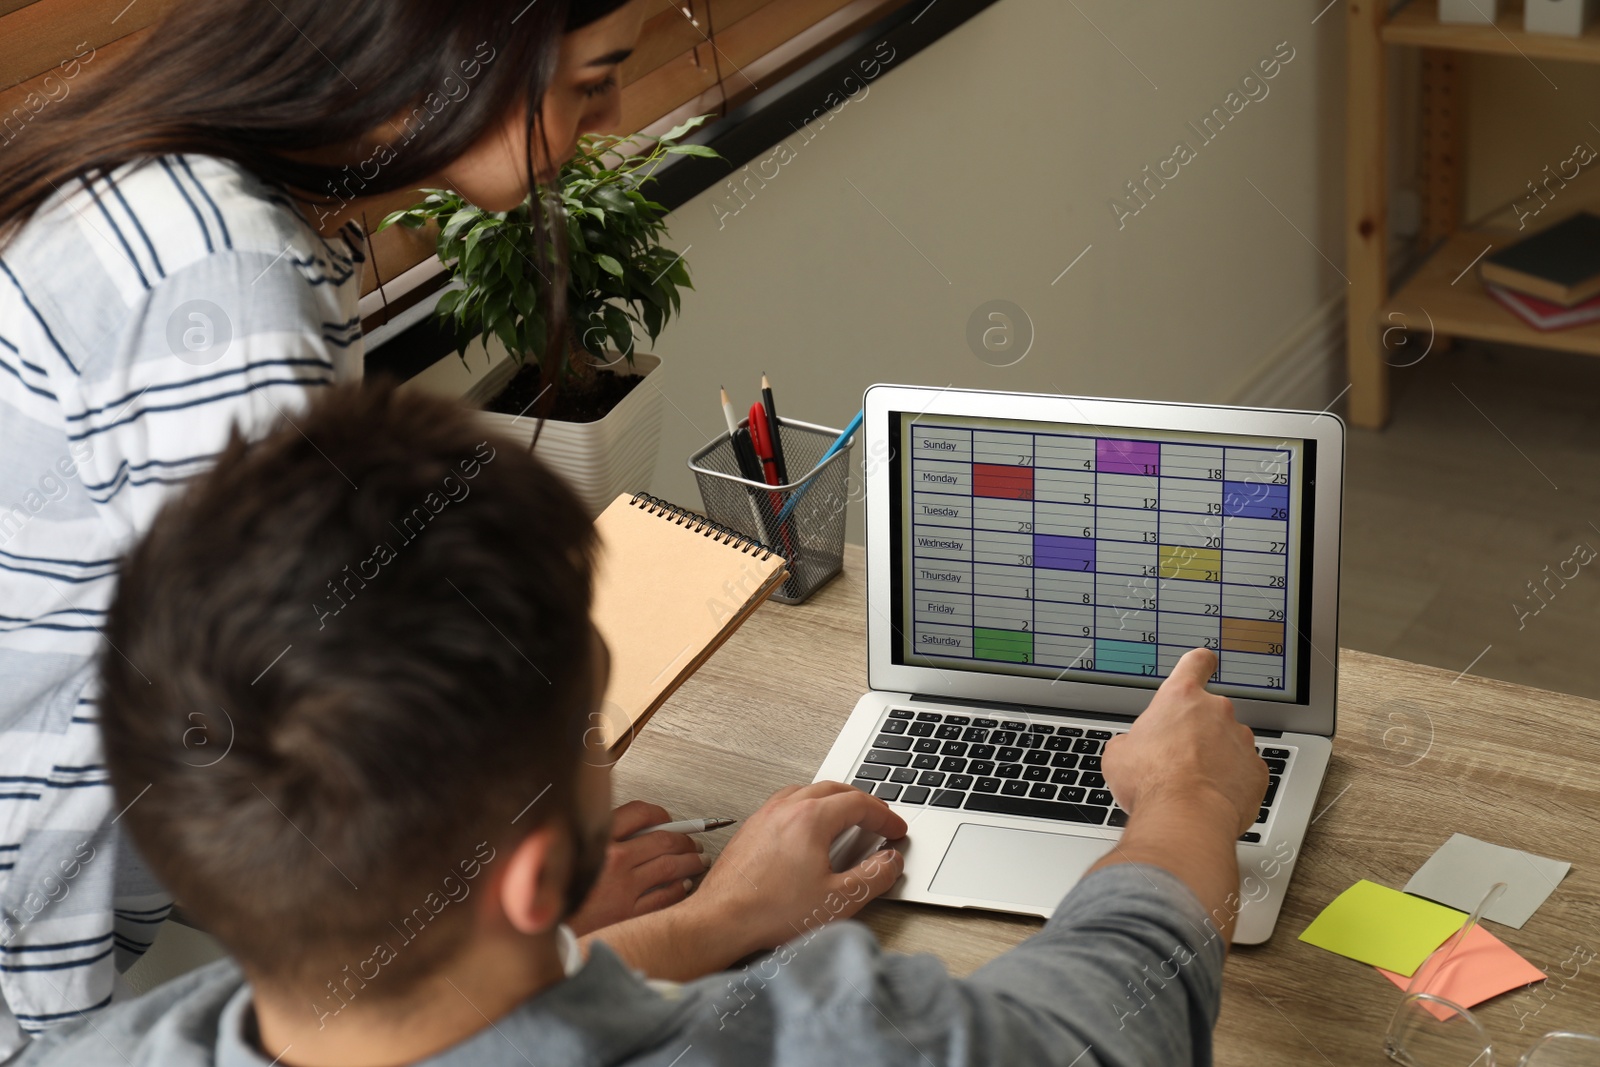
(602, 433)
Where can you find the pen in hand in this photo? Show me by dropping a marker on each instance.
(685, 826)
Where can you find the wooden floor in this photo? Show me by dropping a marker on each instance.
(1488, 475)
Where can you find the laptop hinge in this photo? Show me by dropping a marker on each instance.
(1034, 709)
(1030, 709)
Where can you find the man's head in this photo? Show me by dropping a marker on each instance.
(349, 674)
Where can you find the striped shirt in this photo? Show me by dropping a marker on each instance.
(140, 319)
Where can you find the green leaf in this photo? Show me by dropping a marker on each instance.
(613, 199)
(617, 327)
(469, 250)
(609, 264)
(703, 151)
(497, 305)
(448, 301)
(684, 127)
(526, 301)
(452, 229)
(508, 337)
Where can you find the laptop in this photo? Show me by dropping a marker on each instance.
(1036, 565)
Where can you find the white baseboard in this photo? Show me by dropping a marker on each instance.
(1304, 370)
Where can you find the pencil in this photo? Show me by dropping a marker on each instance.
(727, 413)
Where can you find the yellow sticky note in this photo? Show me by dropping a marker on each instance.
(1382, 926)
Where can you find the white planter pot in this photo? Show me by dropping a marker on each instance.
(616, 454)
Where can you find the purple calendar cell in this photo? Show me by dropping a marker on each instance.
(1112, 456)
(1063, 553)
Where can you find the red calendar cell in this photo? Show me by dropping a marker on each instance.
(1006, 483)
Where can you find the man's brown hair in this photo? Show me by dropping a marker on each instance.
(341, 663)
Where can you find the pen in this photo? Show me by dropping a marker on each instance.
(761, 437)
(838, 443)
(744, 454)
(685, 826)
(744, 451)
(775, 430)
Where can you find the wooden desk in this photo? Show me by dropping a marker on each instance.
(1501, 762)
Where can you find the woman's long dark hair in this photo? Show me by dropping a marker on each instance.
(248, 80)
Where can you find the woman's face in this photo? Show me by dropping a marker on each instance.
(584, 97)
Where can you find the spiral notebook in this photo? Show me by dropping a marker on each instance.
(670, 588)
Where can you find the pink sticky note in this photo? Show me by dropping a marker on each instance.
(1481, 967)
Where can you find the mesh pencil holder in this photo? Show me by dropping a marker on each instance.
(811, 537)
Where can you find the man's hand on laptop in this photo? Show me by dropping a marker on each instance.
(1187, 742)
(772, 883)
(1188, 774)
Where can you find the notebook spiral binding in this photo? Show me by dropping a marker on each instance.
(700, 524)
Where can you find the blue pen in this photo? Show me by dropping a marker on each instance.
(838, 443)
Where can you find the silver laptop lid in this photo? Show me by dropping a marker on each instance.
(1063, 552)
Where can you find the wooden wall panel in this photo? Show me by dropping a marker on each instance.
(40, 35)
(104, 58)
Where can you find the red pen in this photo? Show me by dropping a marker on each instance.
(761, 435)
(761, 438)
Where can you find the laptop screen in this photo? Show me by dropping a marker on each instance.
(1072, 552)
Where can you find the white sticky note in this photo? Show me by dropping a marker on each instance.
(1464, 869)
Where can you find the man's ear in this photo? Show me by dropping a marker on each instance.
(532, 886)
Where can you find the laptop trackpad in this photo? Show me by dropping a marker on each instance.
(1028, 868)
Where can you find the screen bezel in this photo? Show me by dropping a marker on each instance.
(1324, 432)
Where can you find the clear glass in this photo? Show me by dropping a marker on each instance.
(1430, 1031)
(1562, 1050)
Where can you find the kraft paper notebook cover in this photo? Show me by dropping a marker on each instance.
(670, 588)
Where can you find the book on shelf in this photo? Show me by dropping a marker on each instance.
(1559, 265)
(1543, 315)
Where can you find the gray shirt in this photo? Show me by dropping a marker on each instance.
(1128, 971)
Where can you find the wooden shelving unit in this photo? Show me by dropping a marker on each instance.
(1438, 292)
(1418, 24)
(1457, 306)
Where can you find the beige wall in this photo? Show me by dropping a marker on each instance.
(979, 171)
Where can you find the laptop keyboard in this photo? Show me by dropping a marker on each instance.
(1008, 767)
